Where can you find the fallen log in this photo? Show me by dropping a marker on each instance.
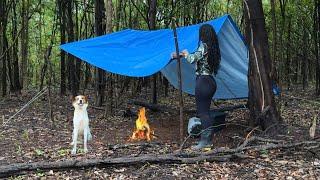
(216, 155)
(21, 168)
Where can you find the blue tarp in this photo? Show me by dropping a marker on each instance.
(140, 53)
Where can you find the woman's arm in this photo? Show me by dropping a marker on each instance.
(193, 57)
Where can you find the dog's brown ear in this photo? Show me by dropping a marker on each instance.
(85, 98)
(72, 98)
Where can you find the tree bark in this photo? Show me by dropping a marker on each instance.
(88, 68)
(16, 88)
(24, 43)
(100, 74)
(288, 61)
(304, 60)
(62, 17)
(71, 63)
(152, 26)
(110, 79)
(274, 39)
(280, 64)
(316, 25)
(3, 67)
(77, 60)
(262, 106)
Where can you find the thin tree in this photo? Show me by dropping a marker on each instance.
(100, 74)
(274, 38)
(24, 43)
(3, 65)
(316, 32)
(16, 87)
(109, 26)
(62, 22)
(78, 63)
(152, 26)
(71, 64)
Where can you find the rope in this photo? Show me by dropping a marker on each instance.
(40, 93)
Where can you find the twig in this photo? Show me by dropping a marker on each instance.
(248, 135)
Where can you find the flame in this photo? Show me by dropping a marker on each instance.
(143, 130)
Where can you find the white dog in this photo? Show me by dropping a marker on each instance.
(80, 122)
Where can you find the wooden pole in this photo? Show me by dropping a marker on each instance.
(179, 79)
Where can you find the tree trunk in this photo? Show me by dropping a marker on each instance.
(24, 43)
(304, 60)
(100, 74)
(62, 17)
(283, 4)
(109, 25)
(8, 61)
(316, 42)
(78, 61)
(262, 106)
(71, 64)
(87, 69)
(3, 48)
(152, 26)
(15, 77)
(288, 61)
(274, 40)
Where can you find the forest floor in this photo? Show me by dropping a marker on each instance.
(31, 137)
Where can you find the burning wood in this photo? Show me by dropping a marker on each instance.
(143, 130)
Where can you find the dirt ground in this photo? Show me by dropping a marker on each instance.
(31, 137)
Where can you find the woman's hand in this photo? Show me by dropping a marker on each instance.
(174, 55)
(185, 53)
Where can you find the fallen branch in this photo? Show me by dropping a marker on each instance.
(19, 168)
(244, 147)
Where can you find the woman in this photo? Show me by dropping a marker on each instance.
(207, 59)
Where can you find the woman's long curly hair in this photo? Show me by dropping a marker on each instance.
(208, 36)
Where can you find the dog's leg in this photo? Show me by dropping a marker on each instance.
(74, 140)
(89, 134)
(85, 138)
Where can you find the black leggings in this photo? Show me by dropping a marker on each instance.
(205, 88)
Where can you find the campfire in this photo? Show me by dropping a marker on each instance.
(142, 130)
